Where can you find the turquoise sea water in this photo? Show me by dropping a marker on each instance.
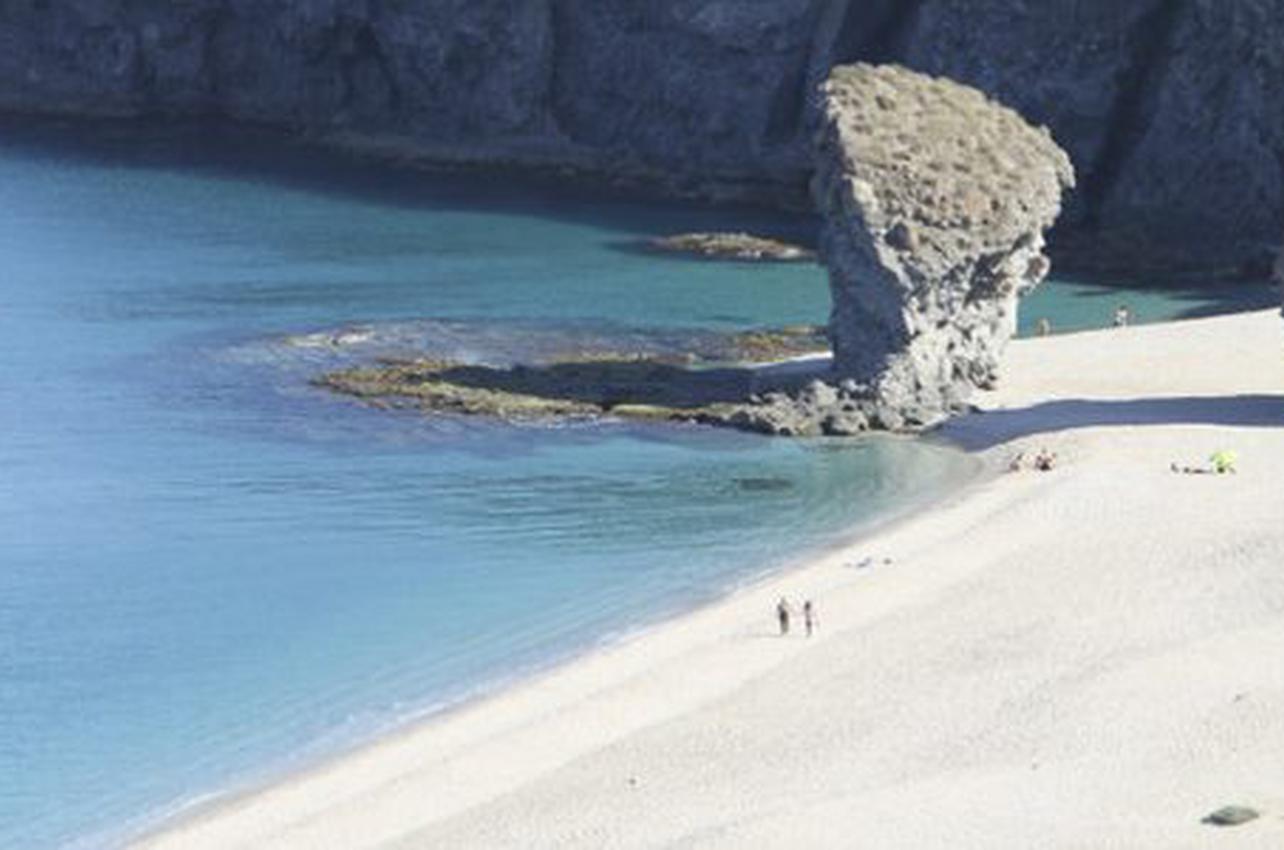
(210, 572)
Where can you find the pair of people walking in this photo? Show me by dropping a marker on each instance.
(784, 613)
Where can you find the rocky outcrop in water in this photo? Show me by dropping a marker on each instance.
(935, 201)
(631, 388)
(759, 380)
(732, 246)
(1169, 108)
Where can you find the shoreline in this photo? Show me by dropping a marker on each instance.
(156, 825)
(213, 804)
(494, 769)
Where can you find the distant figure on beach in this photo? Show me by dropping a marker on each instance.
(1122, 316)
(1044, 327)
(1017, 463)
(782, 614)
(1045, 460)
(809, 617)
(1223, 462)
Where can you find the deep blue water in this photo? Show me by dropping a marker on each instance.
(210, 571)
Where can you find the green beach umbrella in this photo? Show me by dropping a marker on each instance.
(1224, 460)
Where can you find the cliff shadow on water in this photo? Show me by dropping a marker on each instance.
(249, 152)
(1167, 107)
(628, 220)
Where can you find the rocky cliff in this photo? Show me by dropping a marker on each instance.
(1169, 108)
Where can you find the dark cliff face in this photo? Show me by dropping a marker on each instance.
(1169, 108)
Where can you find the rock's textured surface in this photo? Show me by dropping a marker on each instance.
(641, 388)
(935, 201)
(1169, 108)
(816, 409)
(751, 380)
(732, 246)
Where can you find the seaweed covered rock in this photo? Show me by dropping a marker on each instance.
(935, 200)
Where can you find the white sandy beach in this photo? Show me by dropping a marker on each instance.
(1087, 658)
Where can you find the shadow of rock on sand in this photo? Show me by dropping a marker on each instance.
(984, 430)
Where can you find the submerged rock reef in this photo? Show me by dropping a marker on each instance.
(1169, 108)
(745, 247)
(592, 387)
(722, 379)
(744, 397)
(935, 200)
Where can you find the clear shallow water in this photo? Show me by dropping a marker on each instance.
(209, 570)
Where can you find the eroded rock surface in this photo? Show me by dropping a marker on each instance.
(733, 246)
(640, 388)
(935, 200)
(733, 382)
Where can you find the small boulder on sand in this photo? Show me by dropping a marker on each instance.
(1232, 816)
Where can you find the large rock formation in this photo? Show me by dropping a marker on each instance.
(1169, 108)
(935, 201)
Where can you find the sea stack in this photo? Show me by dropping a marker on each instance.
(935, 199)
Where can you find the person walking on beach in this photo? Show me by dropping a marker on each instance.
(782, 614)
(809, 617)
(1123, 316)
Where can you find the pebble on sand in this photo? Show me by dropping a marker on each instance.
(1232, 816)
